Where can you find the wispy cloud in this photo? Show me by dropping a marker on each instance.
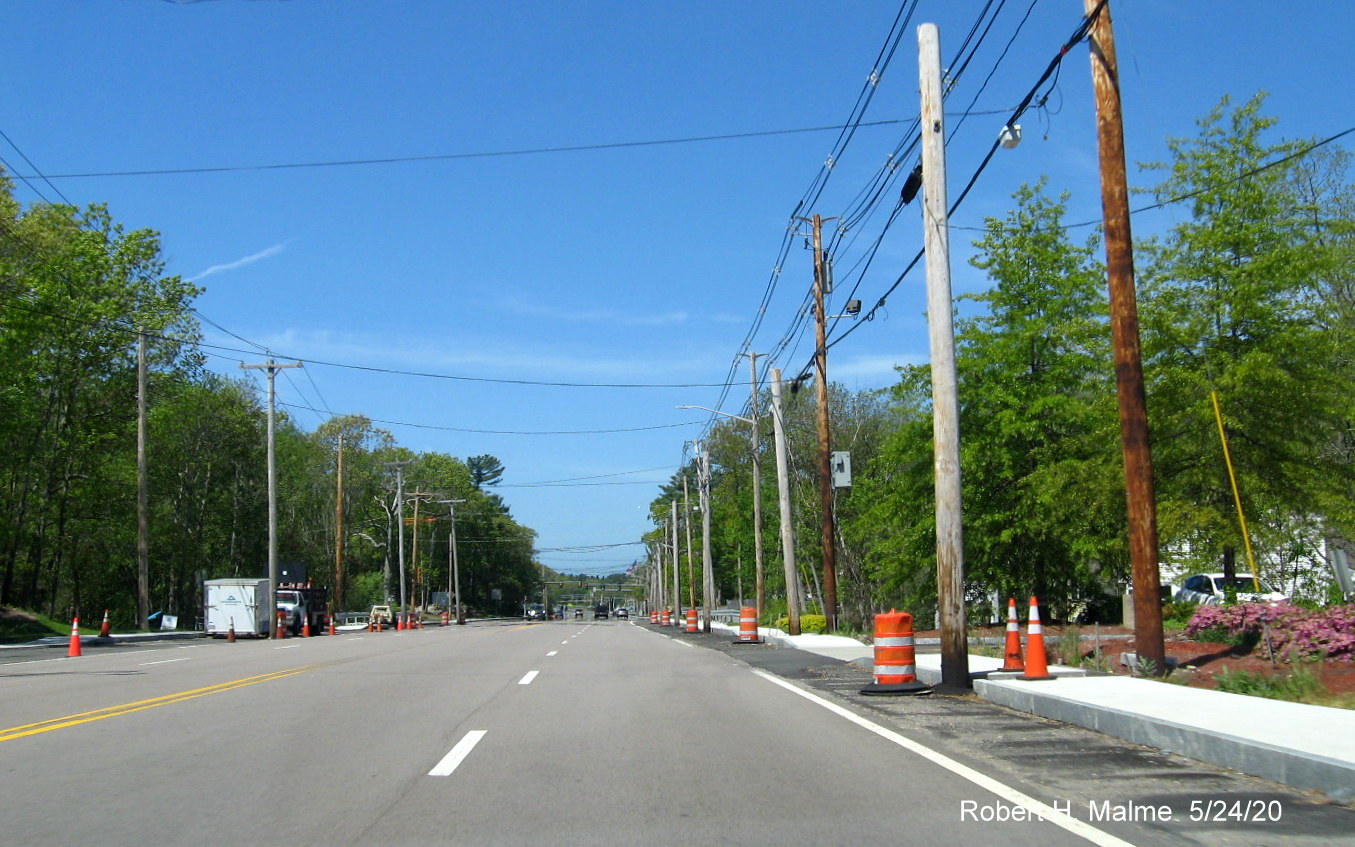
(240, 263)
(871, 371)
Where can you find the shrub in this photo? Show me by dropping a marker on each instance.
(1292, 632)
(815, 624)
(1176, 615)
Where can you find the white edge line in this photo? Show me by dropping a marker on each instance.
(163, 662)
(1006, 792)
(458, 753)
(527, 679)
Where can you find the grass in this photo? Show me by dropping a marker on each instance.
(1299, 685)
(18, 626)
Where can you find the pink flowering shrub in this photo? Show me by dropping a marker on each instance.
(1293, 632)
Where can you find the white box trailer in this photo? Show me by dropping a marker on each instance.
(239, 602)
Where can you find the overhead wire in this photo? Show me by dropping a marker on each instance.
(1078, 35)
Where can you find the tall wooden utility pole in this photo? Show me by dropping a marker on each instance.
(338, 527)
(1124, 333)
(825, 447)
(399, 467)
(759, 562)
(691, 567)
(707, 567)
(783, 498)
(418, 497)
(945, 397)
(143, 531)
(677, 591)
(272, 368)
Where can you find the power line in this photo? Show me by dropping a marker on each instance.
(502, 431)
(440, 157)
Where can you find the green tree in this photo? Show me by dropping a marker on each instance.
(1233, 303)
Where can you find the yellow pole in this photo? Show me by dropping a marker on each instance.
(1237, 497)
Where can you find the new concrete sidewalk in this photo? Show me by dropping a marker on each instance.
(1309, 747)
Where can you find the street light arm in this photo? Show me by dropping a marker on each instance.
(718, 412)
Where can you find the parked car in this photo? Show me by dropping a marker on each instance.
(622, 612)
(1213, 588)
(537, 613)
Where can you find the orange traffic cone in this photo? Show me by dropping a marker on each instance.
(1036, 664)
(75, 639)
(331, 625)
(105, 628)
(306, 627)
(230, 633)
(1012, 660)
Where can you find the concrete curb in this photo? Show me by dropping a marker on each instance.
(1288, 765)
(1302, 746)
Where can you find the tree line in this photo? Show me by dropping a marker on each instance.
(1248, 299)
(77, 291)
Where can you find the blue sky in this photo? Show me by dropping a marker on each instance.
(519, 226)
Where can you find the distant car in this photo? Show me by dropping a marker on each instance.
(622, 612)
(1210, 589)
(537, 613)
(600, 613)
(578, 613)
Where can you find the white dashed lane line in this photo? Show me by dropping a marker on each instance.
(458, 754)
(527, 680)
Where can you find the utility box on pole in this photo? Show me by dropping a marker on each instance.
(842, 469)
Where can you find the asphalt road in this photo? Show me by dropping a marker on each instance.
(570, 733)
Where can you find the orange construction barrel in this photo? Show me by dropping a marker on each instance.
(895, 662)
(748, 633)
(691, 621)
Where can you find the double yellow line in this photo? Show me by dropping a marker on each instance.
(141, 705)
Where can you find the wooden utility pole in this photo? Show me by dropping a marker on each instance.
(1124, 333)
(338, 526)
(143, 531)
(759, 563)
(677, 568)
(272, 368)
(707, 567)
(399, 467)
(783, 498)
(945, 397)
(691, 566)
(825, 447)
(418, 497)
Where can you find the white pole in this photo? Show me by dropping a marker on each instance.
(783, 495)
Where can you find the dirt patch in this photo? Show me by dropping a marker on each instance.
(17, 626)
